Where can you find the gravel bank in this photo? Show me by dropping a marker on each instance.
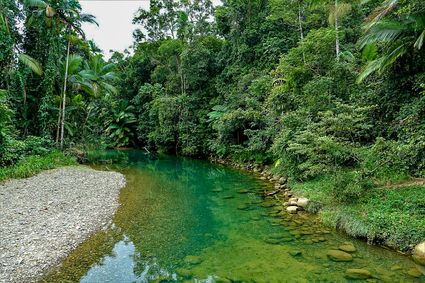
(44, 217)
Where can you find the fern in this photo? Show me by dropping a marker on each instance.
(31, 63)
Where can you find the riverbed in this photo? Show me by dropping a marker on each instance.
(190, 220)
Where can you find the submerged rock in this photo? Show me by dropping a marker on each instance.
(243, 206)
(414, 272)
(419, 254)
(228, 197)
(243, 191)
(347, 247)
(337, 255)
(185, 273)
(272, 241)
(192, 259)
(357, 273)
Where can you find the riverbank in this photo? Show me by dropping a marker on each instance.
(46, 216)
(390, 216)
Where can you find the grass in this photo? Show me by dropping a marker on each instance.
(393, 216)
(32, 165)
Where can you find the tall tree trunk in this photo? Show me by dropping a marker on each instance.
(58, 127)
(300, 22)
(64, 93)
(337, 50)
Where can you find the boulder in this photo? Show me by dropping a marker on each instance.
(282, 180)
(419, 254)
(337, 255)
(302, 202)
(357, 273)
(292, 209)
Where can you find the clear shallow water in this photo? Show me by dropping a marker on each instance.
(188, 220)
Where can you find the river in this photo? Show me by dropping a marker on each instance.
(189, 220)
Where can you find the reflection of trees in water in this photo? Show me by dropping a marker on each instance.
(165, 211)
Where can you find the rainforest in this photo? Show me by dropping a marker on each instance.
(327, 95)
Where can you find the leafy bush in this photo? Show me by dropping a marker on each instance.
(13, 150)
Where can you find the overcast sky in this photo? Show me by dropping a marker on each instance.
(114, 17)
(115, 29)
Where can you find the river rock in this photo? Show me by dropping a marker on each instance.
(292, 209)
(414, 272)
(347, 247)
(282, 180)
(302, 202)
(419, 254)
(243, 191)
(337, 255)
(192, 259)
(186, 273)
(357, 273)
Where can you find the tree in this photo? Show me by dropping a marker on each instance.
(337, 12)
(68, 14)
(395, 32)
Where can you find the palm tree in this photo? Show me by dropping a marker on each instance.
(395, 36)
(337, 12)
(69, 15)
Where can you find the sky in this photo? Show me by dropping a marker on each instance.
(115, 31)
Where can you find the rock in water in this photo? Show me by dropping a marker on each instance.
(357, 273)
(347, 247)
(337, 255)
(419, 254)
(414, 272)
(192, 259)
(292, 209)
(302, 202)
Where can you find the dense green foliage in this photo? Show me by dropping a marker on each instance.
(323, 90)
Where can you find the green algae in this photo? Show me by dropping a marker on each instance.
(175, 225)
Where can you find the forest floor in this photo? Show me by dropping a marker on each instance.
(46, 216)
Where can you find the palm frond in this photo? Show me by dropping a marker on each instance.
(381, 12)
(74, 63)
(382, 63)
(88, 18)
(384, 31)
(339, 11)
(36, 3)
(111, 76)
(108, 68)
(109, 88)
(420, 41)
(31, 63)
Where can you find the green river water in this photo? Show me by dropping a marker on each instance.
(183, 220)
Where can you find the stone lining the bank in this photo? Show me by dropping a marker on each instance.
(45, 217)
(294, 204)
